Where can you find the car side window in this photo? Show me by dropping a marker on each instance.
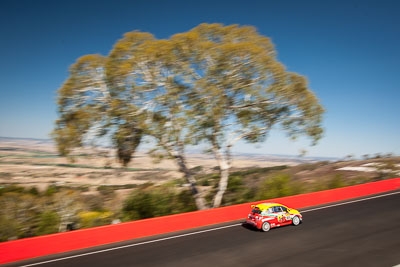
(270, 210)
(284, 209)
(277, 209)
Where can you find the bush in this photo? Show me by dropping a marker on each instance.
(51, 190)
(240, 195)
(279, 185)
(48, 224)
(89, 219)
(197, 169)
(106, 191)
(336, 182)
(235, 183)
(208, 179)
(204, 182)
(33, 191)
(93, 202)
(12, 188)
(153, 202)
(9, 229)
(248, 195)
(260, 170)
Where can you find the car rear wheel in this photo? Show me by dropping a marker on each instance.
(266, 227)
(296, 220)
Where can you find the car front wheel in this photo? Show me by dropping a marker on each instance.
(296, 220)
(266, 227)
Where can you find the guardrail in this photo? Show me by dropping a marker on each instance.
(27, 248)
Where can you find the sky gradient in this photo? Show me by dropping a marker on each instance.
(348, 50)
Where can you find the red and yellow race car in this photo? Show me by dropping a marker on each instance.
(269, 215)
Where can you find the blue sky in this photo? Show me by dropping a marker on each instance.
(349, 51)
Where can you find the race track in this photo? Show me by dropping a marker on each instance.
(363, 233)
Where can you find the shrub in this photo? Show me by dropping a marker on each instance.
(359, 180)
(157, 201)
(260, 170)
(33, 191)
(51, 190)
(211, 179)
(93, 202)
(235, 183)
(336, 182)
(48, 224)
(89, 219)
(279, 185)
(12, 188)
(197, 169)
(106, 191)
(204, 182)
(8, 229)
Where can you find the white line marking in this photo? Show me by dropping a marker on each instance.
(133, 245)
(194, 233)
(349, 202)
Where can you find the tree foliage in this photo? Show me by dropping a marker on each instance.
(240, 91)
(214, 84)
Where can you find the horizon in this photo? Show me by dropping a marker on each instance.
(195, 150)
(348, 50)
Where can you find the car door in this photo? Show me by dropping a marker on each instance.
(285, 213)
(278, 211)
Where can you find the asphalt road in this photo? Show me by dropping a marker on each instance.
(364, 233)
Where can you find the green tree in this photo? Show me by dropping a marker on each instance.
(240, 91)
(81, 103)
(137, 90)
(214, 83)
(147, 81)
(88, 112)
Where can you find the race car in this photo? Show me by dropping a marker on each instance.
(269, 215)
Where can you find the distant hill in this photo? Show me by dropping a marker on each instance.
(15, 139)
(256, 156)
(288, 157)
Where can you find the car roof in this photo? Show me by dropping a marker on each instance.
(268, 205)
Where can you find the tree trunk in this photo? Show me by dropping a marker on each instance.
(223, 183)
(224, 166)
(199, 199)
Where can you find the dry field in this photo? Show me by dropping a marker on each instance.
(29, 162)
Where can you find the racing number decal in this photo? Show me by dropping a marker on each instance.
(281, 218)
(284, 217)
